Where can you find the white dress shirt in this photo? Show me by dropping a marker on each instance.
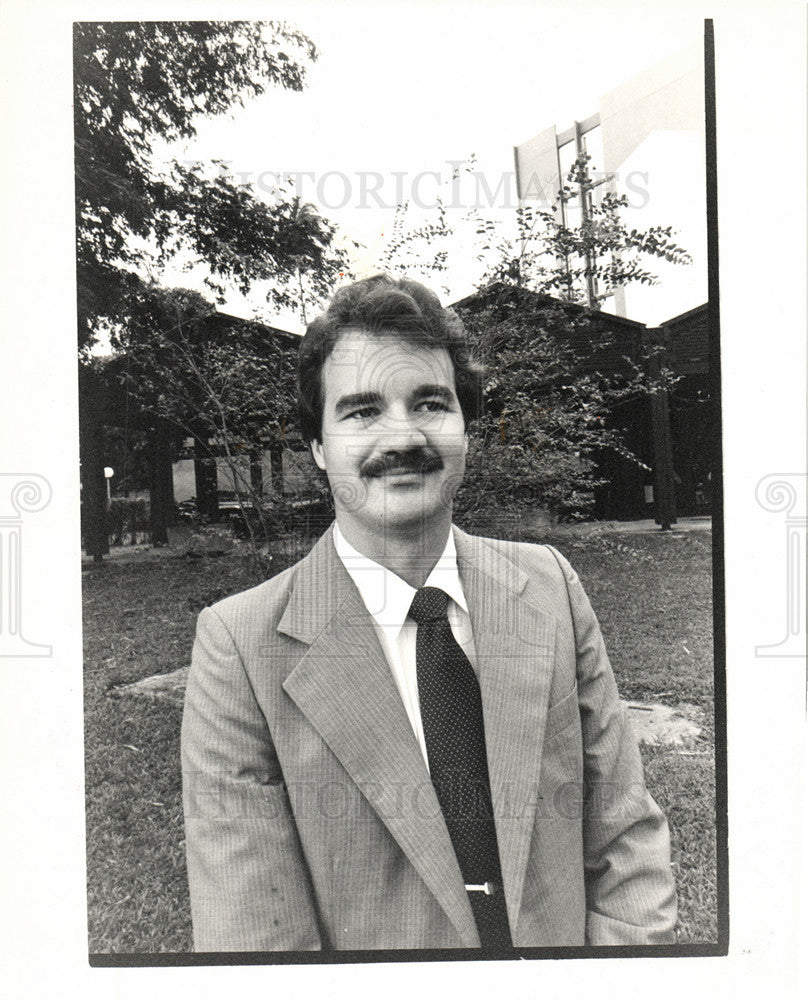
(388, 598)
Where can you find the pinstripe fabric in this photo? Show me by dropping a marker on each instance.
(311, 821)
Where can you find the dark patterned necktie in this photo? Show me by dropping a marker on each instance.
(452, 717)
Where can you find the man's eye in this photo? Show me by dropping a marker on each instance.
(363, 413)
(433, 405)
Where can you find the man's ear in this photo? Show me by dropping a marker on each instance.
(317, 453)
(466, 443)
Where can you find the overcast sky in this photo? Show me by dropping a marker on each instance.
(400, 89)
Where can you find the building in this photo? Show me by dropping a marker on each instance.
(181, 454)
(646, 142)
(668, 433)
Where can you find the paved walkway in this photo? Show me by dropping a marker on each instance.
(586, 528)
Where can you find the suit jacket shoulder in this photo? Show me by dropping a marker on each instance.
(537, 572)
(267, 599)
(268, 623)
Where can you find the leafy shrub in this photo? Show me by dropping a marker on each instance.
(128, 521)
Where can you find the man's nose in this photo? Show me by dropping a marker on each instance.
(401, 431)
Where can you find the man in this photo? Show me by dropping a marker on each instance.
(412, 738)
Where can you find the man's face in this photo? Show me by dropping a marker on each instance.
(393, 435)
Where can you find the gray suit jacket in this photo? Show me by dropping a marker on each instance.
(310, 818)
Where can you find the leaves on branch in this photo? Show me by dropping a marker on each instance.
(556, 374)
(138, 84)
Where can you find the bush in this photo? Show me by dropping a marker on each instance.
(128, 521)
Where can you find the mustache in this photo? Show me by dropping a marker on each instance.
(417, 460)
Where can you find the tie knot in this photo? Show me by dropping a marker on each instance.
(429, 605)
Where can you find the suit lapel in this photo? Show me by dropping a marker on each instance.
(514, 645)
(344, 687)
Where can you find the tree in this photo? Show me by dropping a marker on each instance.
(229, 384)
(540, 251)
(556, 369)
(137, 85)
(587, 262)
(554, 376)
(146, 85)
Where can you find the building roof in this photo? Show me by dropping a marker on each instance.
(685, 336)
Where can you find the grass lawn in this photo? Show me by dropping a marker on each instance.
(652, 593)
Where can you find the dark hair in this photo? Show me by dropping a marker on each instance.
(383, 305)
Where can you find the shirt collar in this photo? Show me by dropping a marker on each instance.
(386, 596)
